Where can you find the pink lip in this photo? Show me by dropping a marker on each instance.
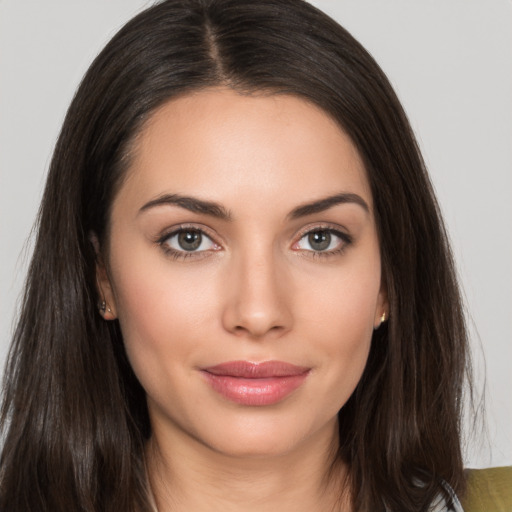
(249, 383)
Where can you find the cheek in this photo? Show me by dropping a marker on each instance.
(168, 313)
(338, 316)
(162, 311)
(344, 340)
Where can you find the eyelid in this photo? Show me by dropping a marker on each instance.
(173, 230)
(323, 226)
(168, 233)
(336, 230)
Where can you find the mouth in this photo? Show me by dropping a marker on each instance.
(255, 384)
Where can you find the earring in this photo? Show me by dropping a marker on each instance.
(383, 318)
(103, 307)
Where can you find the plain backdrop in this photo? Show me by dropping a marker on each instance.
(450, 62)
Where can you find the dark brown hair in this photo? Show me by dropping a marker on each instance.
(74, 416)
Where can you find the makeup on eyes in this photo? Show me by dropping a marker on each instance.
(193, 241)
(187, 241)
(322, 235)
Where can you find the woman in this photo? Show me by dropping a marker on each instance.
(241, 295)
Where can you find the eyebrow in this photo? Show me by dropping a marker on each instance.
(218, 211)
(328, 202)
(191, 204)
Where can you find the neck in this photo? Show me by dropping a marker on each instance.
(192, 477)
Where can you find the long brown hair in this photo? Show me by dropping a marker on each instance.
(74, 416)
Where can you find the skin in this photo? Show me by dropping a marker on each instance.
(257, 290)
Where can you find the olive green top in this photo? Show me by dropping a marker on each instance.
(489, 490)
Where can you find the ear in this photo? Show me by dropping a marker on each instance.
(106, 303)
(382, 308)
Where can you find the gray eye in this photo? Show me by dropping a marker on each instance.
(189, 240)
(319, 240)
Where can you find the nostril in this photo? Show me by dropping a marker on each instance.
(257, 331)
(257, 304)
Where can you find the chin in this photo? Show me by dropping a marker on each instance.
(266, 437)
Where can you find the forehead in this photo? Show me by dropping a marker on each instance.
(221, 145)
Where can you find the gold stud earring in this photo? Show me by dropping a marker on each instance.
(383, 317)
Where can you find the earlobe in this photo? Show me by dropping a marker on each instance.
(380, 320)
(106, 300)
(382, 310)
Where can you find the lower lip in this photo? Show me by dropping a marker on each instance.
(265, 391)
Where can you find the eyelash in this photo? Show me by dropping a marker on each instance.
(346, 241)
(183, 255)
(162, 241)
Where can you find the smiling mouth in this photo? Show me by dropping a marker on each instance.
(255, 384)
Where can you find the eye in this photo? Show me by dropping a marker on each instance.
(189, 240)
(323, 240)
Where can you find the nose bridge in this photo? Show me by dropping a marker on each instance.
(258, 301)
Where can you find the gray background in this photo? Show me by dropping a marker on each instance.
(450, 62)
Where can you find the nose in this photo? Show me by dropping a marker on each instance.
(258, 301)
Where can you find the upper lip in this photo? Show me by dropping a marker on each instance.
(263, 370)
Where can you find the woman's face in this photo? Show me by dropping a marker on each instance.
(243, 265)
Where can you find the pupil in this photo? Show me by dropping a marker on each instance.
(319, 240)
(189, 240)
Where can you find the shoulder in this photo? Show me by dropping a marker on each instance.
(488, 490)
